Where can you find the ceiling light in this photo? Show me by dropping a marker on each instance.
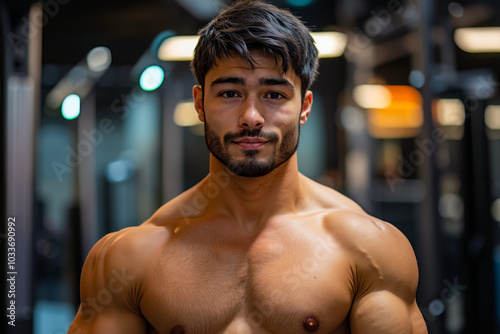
(492, 117)
(178, 48)
(185, 114)
(450, 112)
(330, 43)
(475, 40)
(372, 96)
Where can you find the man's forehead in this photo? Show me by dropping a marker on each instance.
(260, 60)
(236, 65)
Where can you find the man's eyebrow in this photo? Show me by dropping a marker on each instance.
(232, 80)
(262, 81)
(275, 82)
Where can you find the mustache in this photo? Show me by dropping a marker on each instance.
(268, 136)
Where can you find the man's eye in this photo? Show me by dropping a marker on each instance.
(229, 94)
(274, 96)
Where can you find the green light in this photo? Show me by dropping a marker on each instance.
(151, 78)
(70, 107)
(300, 3)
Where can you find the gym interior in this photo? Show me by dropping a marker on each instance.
(98, 130)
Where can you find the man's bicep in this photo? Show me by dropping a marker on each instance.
(108, 321)
(383, 312)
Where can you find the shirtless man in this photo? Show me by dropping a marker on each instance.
(255, 247)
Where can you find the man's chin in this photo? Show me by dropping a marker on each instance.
(254, 169)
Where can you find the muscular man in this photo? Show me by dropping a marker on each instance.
(255, 247)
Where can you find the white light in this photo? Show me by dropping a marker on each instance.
(99, 59)
(151, 78)
(492, 117)
(372, 96)
(480, 39)
(177, 48)
(330, 43)
(495, 210)
(185, 114)
(70, 107)
(450, 112)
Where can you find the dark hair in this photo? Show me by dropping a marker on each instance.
(254, 25)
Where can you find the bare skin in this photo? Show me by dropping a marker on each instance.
(277, 253)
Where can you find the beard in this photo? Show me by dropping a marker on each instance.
(251, 165)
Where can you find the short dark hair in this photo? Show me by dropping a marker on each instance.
(250, 25)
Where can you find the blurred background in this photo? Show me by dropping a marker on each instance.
(98, 130)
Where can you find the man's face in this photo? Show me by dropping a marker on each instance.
(252, 116)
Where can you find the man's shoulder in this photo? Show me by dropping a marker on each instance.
(379, 249)
(361, 229)
(356, 222)
(350, 225)
(131, 247)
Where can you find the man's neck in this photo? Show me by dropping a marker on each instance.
(251, 201)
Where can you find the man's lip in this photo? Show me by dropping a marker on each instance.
(251, 140)
(251, 143)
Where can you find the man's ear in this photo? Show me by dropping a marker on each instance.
(306, 107)
(198, 102)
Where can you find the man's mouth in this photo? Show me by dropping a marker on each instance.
(251, 143)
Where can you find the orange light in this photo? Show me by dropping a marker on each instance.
(402, 118)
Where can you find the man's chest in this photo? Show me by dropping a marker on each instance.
(275, 286)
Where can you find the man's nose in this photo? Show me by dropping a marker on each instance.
(251, 116)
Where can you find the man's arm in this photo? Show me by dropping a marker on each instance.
(385, 312)
(387, 282)
(109, 298)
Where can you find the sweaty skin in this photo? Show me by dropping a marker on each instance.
(277, 253)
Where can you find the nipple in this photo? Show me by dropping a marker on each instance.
(311, 324)
(177, 330)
